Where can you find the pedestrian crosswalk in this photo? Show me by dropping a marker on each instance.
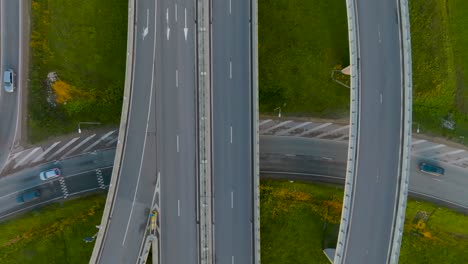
(340, 132)
(60, 150)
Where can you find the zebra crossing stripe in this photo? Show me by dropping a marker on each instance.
(332, 131)
(314, 129)
(112, 141)
(276, 126)
(26, 157)
(79, 145)
(40, 157)
(98, 141)
(63, 148)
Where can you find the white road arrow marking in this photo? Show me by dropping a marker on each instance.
(185, 28)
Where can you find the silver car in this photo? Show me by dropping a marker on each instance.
(9, 80)
(49, 174)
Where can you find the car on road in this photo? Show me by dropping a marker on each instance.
(431, 169)
(28, 196)
(49, 174)
(9, 80)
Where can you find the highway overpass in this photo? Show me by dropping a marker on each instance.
(377, 167)
(160, 163)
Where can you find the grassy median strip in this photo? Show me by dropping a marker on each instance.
(52, 234)
(77, 67)
(299, 219)
(300, 43)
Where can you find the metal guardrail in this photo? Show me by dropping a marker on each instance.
(353, 129)
(107, 215)
(407, 125)
(204, 132)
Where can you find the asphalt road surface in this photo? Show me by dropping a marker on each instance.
(232, 132)
(373, 205)
(9, 102)
(176, 95)
(328, 158)
(137, 180)
(80, 175)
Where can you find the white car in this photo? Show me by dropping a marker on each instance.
(49, 174)
(9, 80)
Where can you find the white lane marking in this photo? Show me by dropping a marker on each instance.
(177, 143)
(145, 30)
(26, 157)
(167, 16)
(147, 125)
(380, 98)
(175, 13)
(230, 13)
(178, 207)
(231, 134)
(230, 69)
(176, 78)
(435, 179)
(40, 157)
(232, 258)
(167, 20)
(264, 122)
(232, 199)
(327, 158)
(79, 145)
(63, 148)
(156, 190)
(98, 141)
(380, 38)
(185, 27)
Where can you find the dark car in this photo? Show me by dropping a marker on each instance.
(28, 196)
(431, 169)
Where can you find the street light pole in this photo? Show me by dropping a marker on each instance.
(86, 123)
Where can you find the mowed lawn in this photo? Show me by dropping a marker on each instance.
(300, 43)
(52, 234)
(294, 230)
(439, 31)
(84, 44)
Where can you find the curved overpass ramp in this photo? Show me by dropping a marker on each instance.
(376, 185)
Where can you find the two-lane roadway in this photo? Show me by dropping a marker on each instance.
(10, 49)
(232, 132)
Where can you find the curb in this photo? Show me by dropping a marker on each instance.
(407, 131)
(353, 130)
(107, 215)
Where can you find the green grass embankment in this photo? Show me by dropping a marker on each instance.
(52, 234)
(84, 44)
(298, 219)
(300, 43)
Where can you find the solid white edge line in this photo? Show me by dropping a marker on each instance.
(146, 135)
